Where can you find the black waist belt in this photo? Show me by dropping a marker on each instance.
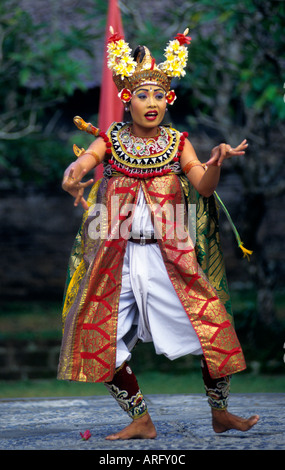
(143, 240)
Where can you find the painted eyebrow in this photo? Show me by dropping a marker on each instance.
(145, 89)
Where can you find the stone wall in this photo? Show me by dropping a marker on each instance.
(28, 359)
(36, 236)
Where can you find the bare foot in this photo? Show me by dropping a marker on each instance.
(223, 421)
(140, 428)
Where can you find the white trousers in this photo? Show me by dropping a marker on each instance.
(148, 300)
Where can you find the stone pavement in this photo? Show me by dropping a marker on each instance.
(183, 423)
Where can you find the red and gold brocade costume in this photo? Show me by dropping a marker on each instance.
(195, 269)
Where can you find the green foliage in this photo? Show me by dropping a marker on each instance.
(41, 66)
(235, 72)
(32, 57)
(234, 83)
(239, 44)
(37, 159)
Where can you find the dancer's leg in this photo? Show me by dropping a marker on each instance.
(124, 388)
(217, 391)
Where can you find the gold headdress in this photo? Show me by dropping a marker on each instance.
(130, 73)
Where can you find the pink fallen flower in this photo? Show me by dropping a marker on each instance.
(86, 435)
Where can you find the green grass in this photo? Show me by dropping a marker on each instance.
(23, 320)
(150, 383)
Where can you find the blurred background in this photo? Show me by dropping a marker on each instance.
(51, 56)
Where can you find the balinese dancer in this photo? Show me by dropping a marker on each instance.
(140, 270)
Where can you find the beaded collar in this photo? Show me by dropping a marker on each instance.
(143, 157)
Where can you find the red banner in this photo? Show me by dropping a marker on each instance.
(110, 106)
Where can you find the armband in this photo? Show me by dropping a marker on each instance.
(94, 155)
(190, 165)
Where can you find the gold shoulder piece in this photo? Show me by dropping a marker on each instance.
(86, 126)
(78, 152)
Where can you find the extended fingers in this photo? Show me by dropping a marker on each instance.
(80, 176)
(84, 204)
(87, 183)
(71, 174)
(79, 196)
(81, 184)
(223, 151)
(241, 147)
(80, 199)
(70, 177)
(228, 151)
(76, 183)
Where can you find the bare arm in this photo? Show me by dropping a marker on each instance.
(206, 181)
(74, 173)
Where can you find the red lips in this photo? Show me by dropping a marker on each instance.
(151, 115)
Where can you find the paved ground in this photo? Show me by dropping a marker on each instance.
(182, 421)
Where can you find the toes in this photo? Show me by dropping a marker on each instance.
(112, 437)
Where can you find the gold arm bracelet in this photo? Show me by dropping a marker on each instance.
(190, 165)
(94, 155)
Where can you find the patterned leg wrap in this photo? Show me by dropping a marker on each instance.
(217, 390)
(124, 388)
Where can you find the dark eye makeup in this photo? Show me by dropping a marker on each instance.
(159, 95)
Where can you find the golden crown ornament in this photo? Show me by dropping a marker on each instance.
(130, 73)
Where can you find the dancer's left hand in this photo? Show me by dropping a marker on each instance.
(224, 151)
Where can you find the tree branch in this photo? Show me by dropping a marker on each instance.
(31, 127)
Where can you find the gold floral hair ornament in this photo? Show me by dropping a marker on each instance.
(129, 74)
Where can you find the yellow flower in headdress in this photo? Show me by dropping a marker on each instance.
(129, 73)
(176, 56)
(119, 56)
(118, 47)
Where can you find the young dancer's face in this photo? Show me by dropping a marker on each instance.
(148, 106)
